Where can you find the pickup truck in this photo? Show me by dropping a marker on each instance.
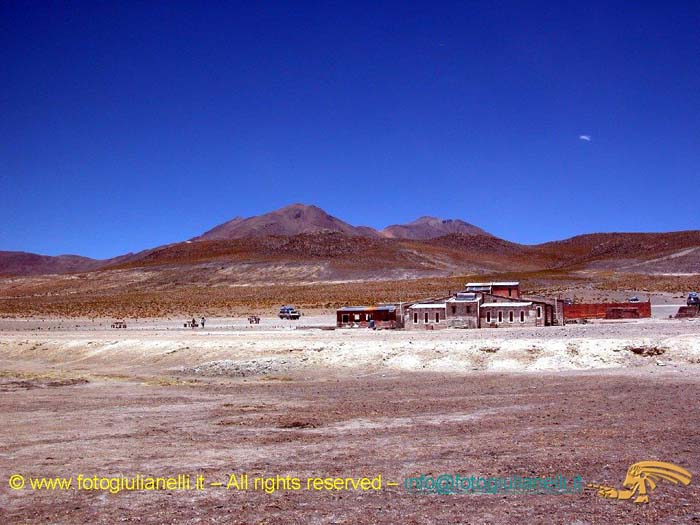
(289, 312)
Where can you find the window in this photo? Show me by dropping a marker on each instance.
(454, 309)
(469, 308)
(437, 317)
(488, 317)
(539, 312)
(346, 318)
(510, 316)
(426, 317)
(522, 316)
(415, 317)
(357, 317)
(500, 316)
(510, 292)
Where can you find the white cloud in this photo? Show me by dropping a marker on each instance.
(587, 138)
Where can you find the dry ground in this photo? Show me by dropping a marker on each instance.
(222, 291)
(98, 402)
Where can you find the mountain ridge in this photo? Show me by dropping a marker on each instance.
(306, 232)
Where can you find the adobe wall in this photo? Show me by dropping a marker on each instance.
(600, 310)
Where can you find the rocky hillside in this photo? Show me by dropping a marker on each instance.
(288, 221)
(430, 228)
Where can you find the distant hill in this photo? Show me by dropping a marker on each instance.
(672, 252)
(291, 220)
(430, 228)
(22, 263)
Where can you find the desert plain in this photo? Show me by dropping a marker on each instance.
(295, 398)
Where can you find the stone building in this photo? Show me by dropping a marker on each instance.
(481, 305)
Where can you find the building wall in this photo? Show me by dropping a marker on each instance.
(556, 314)
(688, 311)
(503, 291)
(530, 316)
(409, 323)
(600, 310)
(382, 319)
(493, 298)
(546, 310)
(463, 322)
(462, 314)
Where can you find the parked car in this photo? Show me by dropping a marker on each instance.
(634, 299)
(693, 299)
(289, 312)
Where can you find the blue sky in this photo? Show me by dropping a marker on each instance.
(128, 125)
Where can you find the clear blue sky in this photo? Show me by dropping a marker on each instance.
(127, 125)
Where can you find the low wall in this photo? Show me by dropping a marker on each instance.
(603, 310)
(688, 311)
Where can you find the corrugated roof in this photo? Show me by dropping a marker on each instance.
(428, 305)
(505, 304)
(367, 309)
(495, 283)
(463, 299)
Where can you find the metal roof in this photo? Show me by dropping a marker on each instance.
(428, 305)
(496, 283)
(464, 298)
(367, 308)
(505, 305)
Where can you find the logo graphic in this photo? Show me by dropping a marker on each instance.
(641, 478)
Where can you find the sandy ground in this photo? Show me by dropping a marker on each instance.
(275, 399)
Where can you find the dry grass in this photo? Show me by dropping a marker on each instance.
(69, 299)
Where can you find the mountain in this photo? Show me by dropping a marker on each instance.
(327, 248)
(430, 228)
(300, 218)
(671, 252)
(345, 255)
(23, 263)
(291, 220)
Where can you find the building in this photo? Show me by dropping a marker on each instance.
(382, 316)
(426, 315)
(482, 305)
(462, 310)
(502, 288)
(511, 313)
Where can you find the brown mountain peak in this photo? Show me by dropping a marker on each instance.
(427, 227)
(293, 219)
